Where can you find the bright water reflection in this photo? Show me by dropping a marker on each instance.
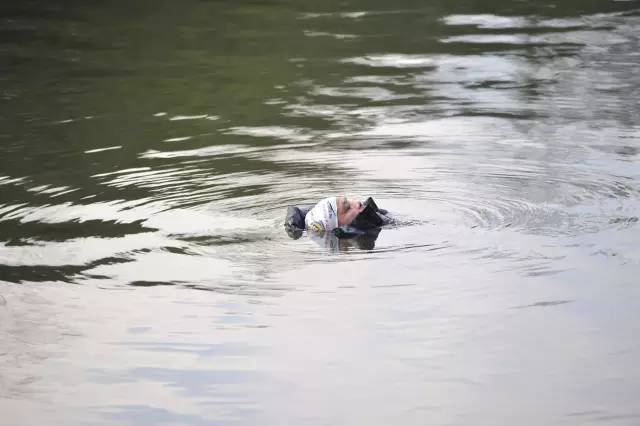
(149, 153)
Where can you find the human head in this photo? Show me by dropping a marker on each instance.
(347, 210)
(331, 213)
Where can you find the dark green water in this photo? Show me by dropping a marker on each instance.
(148, 152)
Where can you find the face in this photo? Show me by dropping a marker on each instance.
(348, 210)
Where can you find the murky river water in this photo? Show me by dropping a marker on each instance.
(148, 152)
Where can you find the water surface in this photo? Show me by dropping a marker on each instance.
(147, 156)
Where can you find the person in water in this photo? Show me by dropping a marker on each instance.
(332, 213)
(338, 222)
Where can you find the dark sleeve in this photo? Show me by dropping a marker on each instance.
(385, 219)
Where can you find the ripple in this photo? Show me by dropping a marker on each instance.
(117, 210)
(544, 304)
(331, 35)
(392, 60)
(375, 94)
(488, 21)
(571, 37)
(47, 189)
(188, 117)
(8, 180)
(273, 132)
(348, 15)
(178, 139)
(79, 252)
(108, 148)
(208, 151)
(356, 15)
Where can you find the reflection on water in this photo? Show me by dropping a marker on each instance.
(334, 243)
(148, 155)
